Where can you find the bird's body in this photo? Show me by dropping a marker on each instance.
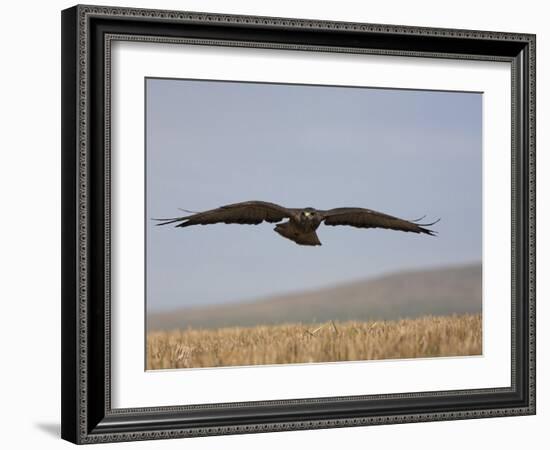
(294, 232)
(302, 223)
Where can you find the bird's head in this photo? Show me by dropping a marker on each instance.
(309, 214)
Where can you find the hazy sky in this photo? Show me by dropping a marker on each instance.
(402, 152)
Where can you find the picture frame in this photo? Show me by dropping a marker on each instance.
(88, 415)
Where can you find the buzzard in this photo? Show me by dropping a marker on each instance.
(302, 222)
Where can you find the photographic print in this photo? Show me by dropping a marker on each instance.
(324, 204)
(293, 224)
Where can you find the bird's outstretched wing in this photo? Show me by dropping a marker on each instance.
(252, 213)
(367, 218)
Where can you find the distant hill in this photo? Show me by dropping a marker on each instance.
(452, 290)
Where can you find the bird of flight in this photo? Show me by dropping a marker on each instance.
(302, 222)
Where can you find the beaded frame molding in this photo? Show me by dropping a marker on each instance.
(87, 34)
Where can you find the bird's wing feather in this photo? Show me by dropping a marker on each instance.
(251, 212)
(367, 218)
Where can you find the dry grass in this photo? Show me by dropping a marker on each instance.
(301, 343)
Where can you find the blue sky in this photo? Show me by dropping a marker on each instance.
(402, 152)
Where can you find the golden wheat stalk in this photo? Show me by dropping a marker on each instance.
(331, 341)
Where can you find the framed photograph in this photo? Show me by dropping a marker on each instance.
(278, 224)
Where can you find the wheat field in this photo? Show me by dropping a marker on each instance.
(430, 336)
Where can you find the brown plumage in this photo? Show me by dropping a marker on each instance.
(302, 222)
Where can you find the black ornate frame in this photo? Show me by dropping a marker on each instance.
(87, 32)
